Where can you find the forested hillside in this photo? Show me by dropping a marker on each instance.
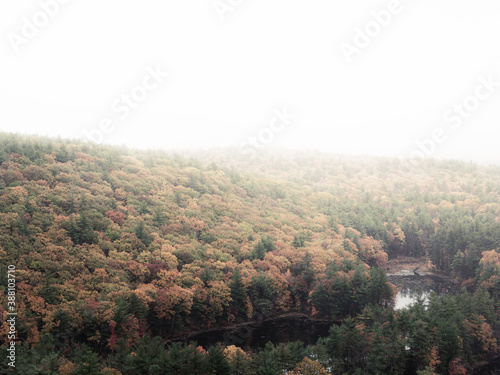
(118, 250)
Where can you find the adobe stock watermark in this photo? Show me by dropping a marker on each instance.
(281, 119)
(31, 26)
(454, 117)
(123, 106)
(363, 37)
(221, 7)
(11, 315)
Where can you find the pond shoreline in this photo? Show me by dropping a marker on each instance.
(186, 335)
(401, 279)
(397, 278)
(401, 275)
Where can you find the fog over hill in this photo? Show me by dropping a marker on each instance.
(116, 249)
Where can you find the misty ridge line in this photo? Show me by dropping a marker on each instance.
(279, 122)
(123, 106)
(263, 154)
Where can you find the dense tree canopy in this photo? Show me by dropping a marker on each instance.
(114, 247)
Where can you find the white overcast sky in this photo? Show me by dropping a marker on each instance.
(228, 74)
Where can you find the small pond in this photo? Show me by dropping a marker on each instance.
(288, 329)
(410, 286)
(256, 335)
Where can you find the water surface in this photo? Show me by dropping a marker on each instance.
(412, 286)
(257, 334)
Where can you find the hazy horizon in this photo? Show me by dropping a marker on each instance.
(262, 153)
(393, 79)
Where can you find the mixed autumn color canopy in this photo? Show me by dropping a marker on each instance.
(114, 247)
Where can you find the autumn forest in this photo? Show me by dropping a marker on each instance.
(121, 254)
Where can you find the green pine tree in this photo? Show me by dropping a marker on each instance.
(238, 292)
(266, 361)
(87, 362)
(217, 361)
